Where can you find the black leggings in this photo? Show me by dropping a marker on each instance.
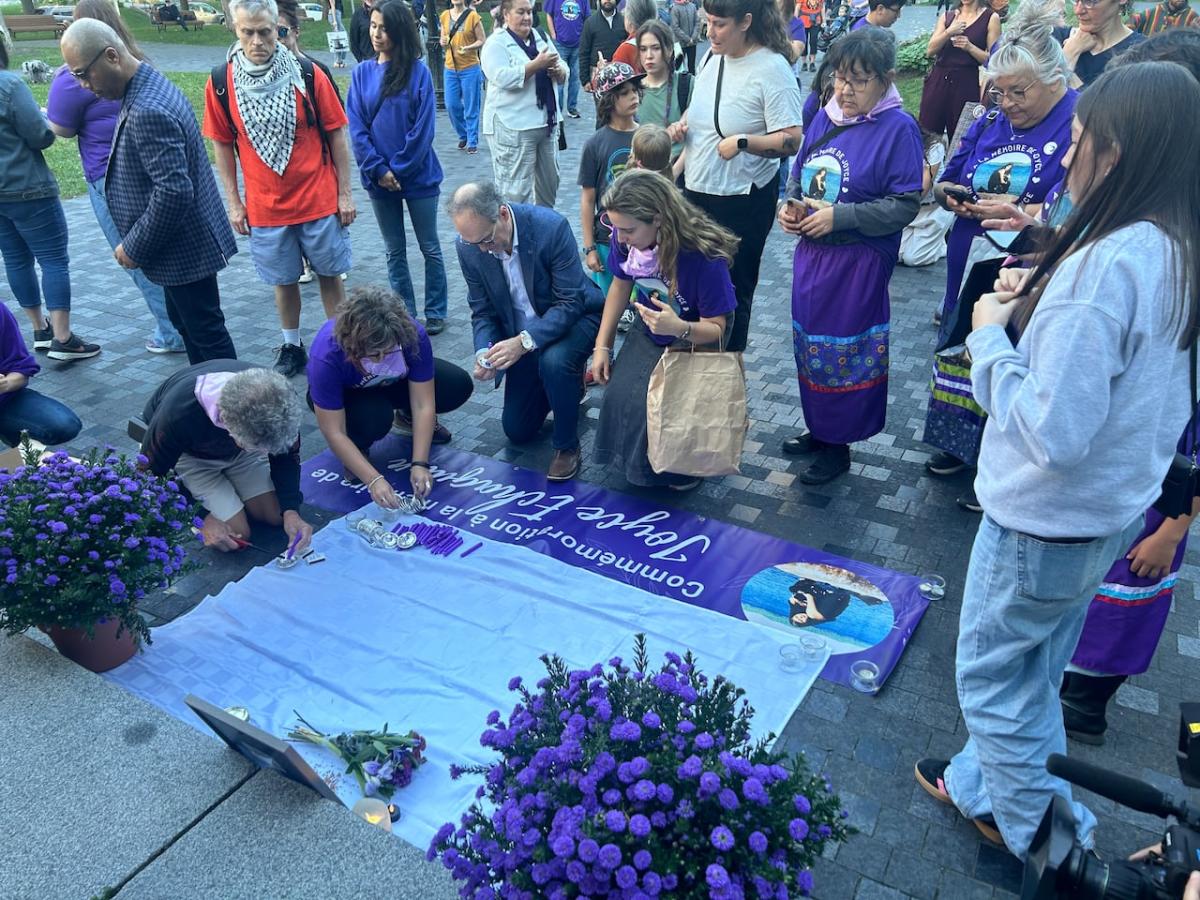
(751, 216)
(369, 411)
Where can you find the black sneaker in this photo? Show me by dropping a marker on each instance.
(989, 829)
(290, 360)
(402, 424)
(944, 464)
(969, 502)
(73, 348)
(43, 337)
(435, 326)
(801, 445)
(931, 775)
(831, 461)
(573, 113)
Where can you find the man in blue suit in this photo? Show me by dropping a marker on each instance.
(534, 313)
(159, 187)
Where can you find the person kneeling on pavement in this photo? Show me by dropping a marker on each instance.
(231, 432)
(22, 409)
(371, 367)
(534, 313)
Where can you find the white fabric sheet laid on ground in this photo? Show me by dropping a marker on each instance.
(429, 642)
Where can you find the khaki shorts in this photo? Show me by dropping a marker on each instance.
(222, 485)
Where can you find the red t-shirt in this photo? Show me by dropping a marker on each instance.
(307, 189)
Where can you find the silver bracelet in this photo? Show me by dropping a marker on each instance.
(372, 481)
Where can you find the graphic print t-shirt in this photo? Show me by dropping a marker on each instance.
(997, 162)
(569, 16)
(604, 157)
(865, 162)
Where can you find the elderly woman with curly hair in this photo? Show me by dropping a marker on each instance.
(371, 369)
(231, 432)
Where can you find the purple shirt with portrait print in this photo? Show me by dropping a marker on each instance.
(569, 16)
(866, 162)
(71, 105)
(704, 287)
(331, 374)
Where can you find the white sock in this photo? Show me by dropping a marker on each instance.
(291, 336)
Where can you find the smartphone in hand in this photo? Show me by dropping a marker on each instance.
(961, 194)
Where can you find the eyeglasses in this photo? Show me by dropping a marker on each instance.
(82, 74)
(490, 239)
(854, 84)
(1088, 4)
(283, 31)
(1016, 95)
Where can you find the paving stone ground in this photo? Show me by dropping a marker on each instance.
(886, 511)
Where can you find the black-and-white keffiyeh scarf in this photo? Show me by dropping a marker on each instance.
(266, 100)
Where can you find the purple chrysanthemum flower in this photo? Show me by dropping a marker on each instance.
(589, 850)
(798, 829)
(710, 783)
(716, 876)
(665, 793)
(757, 842)
(652, 719)
(753, 790)
(625, 731)
(728, 799)
(802, 805)
(50, 580)
(626, 877)
(639, 826)
(514, 683)
(804, 881)
(703, 741)
(685, 726)
(609, 856)
(690, 767)
(722, 838)
(644, 790)
(614, 820)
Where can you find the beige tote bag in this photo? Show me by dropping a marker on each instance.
(696, 419)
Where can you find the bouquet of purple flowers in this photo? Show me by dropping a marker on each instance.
(82, 542)
(623, 782)
(382, 761)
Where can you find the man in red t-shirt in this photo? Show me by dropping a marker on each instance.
(297, 180)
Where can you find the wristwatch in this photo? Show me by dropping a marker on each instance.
(589, 249)
(527, 341)
(687, 332)
(743, 141)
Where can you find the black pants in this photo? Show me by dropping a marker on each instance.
(369, 411)
(751, 216)
(690, 54)
(195, 311)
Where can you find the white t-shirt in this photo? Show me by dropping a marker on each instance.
(759, 95)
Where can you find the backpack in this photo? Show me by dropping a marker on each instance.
(220, 83)
(683, 90)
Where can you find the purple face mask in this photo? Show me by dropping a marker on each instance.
(642, 263)
(393, 365)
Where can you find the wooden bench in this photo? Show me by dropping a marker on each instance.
(34, 24)
(185, 18)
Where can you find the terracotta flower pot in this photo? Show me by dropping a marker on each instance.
(100, 653)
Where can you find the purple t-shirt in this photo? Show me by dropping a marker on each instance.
(569, 16)
(866, 162)
(994, 158)
(71, 105)
(330, 374)
(705, 289)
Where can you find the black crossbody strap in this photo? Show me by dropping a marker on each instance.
(826, 138)
(717, 100)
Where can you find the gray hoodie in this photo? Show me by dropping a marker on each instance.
(24, 134)
(1086, 410)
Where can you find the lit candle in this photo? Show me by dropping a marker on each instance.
(375, 811)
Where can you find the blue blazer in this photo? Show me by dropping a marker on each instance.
(160, 186)
(559, 290)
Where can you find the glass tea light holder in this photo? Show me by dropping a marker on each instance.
(354, 517)
(864, 676)
(791, 657)
(375, 812)
(812, 647)
(932, 586)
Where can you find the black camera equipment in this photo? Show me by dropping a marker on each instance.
(1058, 867)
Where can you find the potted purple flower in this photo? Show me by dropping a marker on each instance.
(622, 782)
(81, 542)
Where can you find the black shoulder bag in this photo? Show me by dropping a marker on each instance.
(1182, 483)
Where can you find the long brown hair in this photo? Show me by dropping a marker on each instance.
(643, 195)
(106, 12)
(1156, 177)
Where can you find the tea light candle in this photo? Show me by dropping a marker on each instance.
(864, 676)
(932, 586)
(812, 646)
(790, 658)
(375, 811)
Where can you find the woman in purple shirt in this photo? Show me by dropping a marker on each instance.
(21, 407)
(74, 111)
(853, 188)
(371, 370)
(657, 236)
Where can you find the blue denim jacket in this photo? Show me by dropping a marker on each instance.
(24, 134)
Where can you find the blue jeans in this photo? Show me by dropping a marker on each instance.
(1023, 608)
(422, 212)
(464, 88)
(43, 417)
(36, 230)
(570, 57)
(164, 332)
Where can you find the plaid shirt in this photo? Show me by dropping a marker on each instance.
(160, 186)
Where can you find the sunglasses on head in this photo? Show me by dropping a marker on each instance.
(283, 31)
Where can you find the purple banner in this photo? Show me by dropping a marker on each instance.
(862, 611)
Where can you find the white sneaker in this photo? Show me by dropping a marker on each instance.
(627, 319)
(308, 275)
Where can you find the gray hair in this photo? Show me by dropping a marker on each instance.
(641, 11)
(253, 8)
(91, 37)
(261, 411)
(482, 198)
(1029, 47)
